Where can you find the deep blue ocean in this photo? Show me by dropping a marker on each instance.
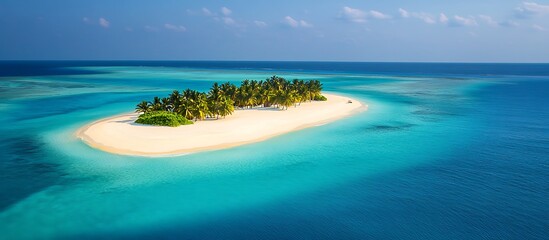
(445, 151)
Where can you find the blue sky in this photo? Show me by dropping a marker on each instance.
(362, 30)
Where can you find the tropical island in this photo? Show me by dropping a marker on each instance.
(179, 108)
(226, 116)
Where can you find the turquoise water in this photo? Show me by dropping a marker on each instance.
(437, 155)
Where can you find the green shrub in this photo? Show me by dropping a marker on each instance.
(163, 118)
(320, 98)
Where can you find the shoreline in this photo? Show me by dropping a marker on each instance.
(120, 135)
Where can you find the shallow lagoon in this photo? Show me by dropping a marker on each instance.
(437, 155)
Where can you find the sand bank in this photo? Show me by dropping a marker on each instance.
(120, 135)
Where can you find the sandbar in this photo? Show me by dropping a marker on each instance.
(120, 135)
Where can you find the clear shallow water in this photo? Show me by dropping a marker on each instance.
(445, 151)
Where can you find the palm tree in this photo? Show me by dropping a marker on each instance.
(240, 97)
(229, 90)
(187, 106)
(166, 104)
(253, 93)
(201, 110)
(300, 89)
(214, 99)
(245, 94)
(286, 98)
(175, 99)
(186, 109)
(226, 107)
(315, 87)
(295, 83)
(222, 99)
(156, 105)
(267, 96)
(142, 107)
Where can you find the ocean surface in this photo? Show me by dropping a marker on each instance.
(445, 151)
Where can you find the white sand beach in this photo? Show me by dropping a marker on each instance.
(120, 135)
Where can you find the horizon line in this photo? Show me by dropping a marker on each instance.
(266, 61)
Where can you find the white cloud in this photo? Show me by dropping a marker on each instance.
(538, 28)
(149, 28)
(354, 15)
(104, 23)
(457, 21)
(443, 18)
(425, 17)
(229, 21)
(291, 22)
(378, 15)
(492, 22)
(489, 20)
(223, 17)
(403, 13)
(359, 16)
(464, 21)
(527, 9)
(86, 20)
(535, 8)
(226, 11)
(295, 23)
(521, 13)
(305, 24)
(175, 28)
(207, 12)
(260, 24)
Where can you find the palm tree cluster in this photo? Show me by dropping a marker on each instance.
(222, 99)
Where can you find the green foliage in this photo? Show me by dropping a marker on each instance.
(320, 98)
(163, 118)
(143, 107)
(222, 99)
